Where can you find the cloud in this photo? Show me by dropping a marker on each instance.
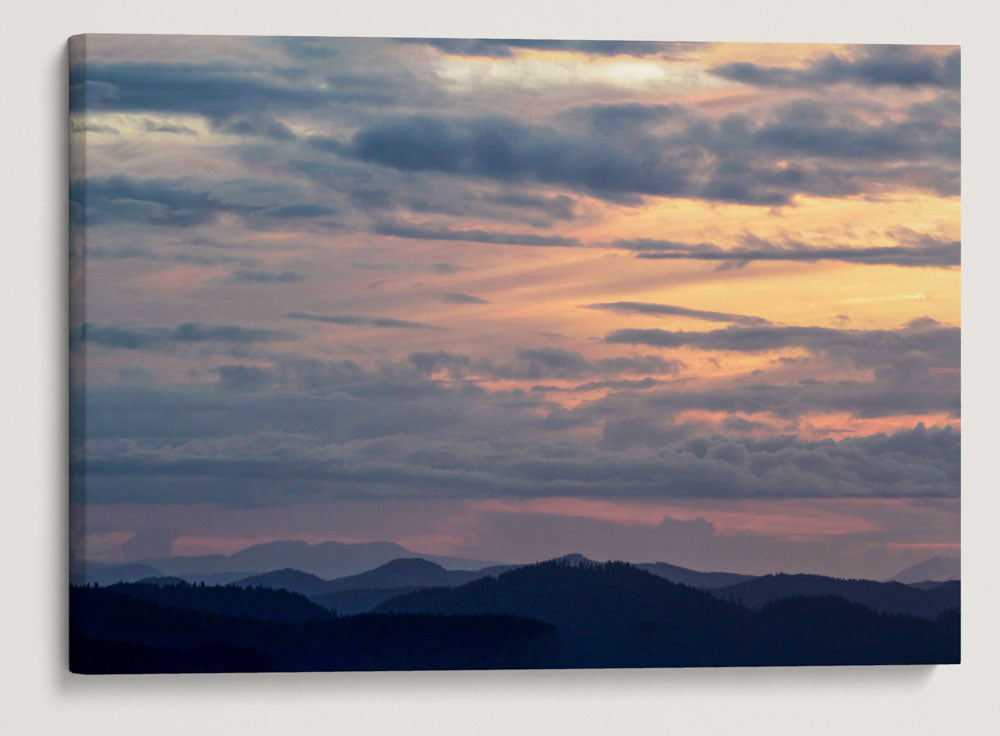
(262, 126)
(864, 345)
(454, 297)
(428, 363)
(379, 191)
(534, 364)
(735, 159)
(128, 252)
(252, 447)
(500, 48)
(156, 126)
(244, 378)
(424, 232)
(357, 319)
(626, 117)
(186, 202)
(506, 150)
(548, 362)
(219, 91)
(870, 66)
(147, 337)
(740, 425)
(622, 384)
(669, 310)
(927, 253)
(81, 127)
(558, 207)
(250, 276)
(638, 364)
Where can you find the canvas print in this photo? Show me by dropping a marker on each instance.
(422, 353)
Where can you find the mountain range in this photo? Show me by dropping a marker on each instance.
(345, 576)
(324, 559)
(568, 612)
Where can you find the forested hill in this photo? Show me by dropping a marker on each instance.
(617, 615)
(889, 597)
(553, 615)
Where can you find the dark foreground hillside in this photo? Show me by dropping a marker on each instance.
(551, 615)
(112, 631)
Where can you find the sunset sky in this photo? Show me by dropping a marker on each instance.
(508, 300)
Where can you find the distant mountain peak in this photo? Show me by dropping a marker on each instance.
(939, 567)
(410, 564)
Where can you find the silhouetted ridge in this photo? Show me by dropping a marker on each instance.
(889, 597)
(83, 573)
(228, 600)
(294, 581)
(694, 578)
(353, 602)
(597, 607)
(162, 580)
(413, 572)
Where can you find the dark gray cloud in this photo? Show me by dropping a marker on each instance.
(547, 362)
(638, 364)
(668, 310)
(263, 126)
(454, 297)
(250, 276)
(423, 232)
(358, 319)
(740, 425)
(162, 202)
(941, 342)
(927, 253)
(861, 399)
(147, 337)
(735, 159)
(506, 150)
(291, 211)
(383, 192)
(625, 118)
(244, 378)
(186, 202)
(875, 65)
(428, 363)
(557, 207)
(220, 91)
(129, 252)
